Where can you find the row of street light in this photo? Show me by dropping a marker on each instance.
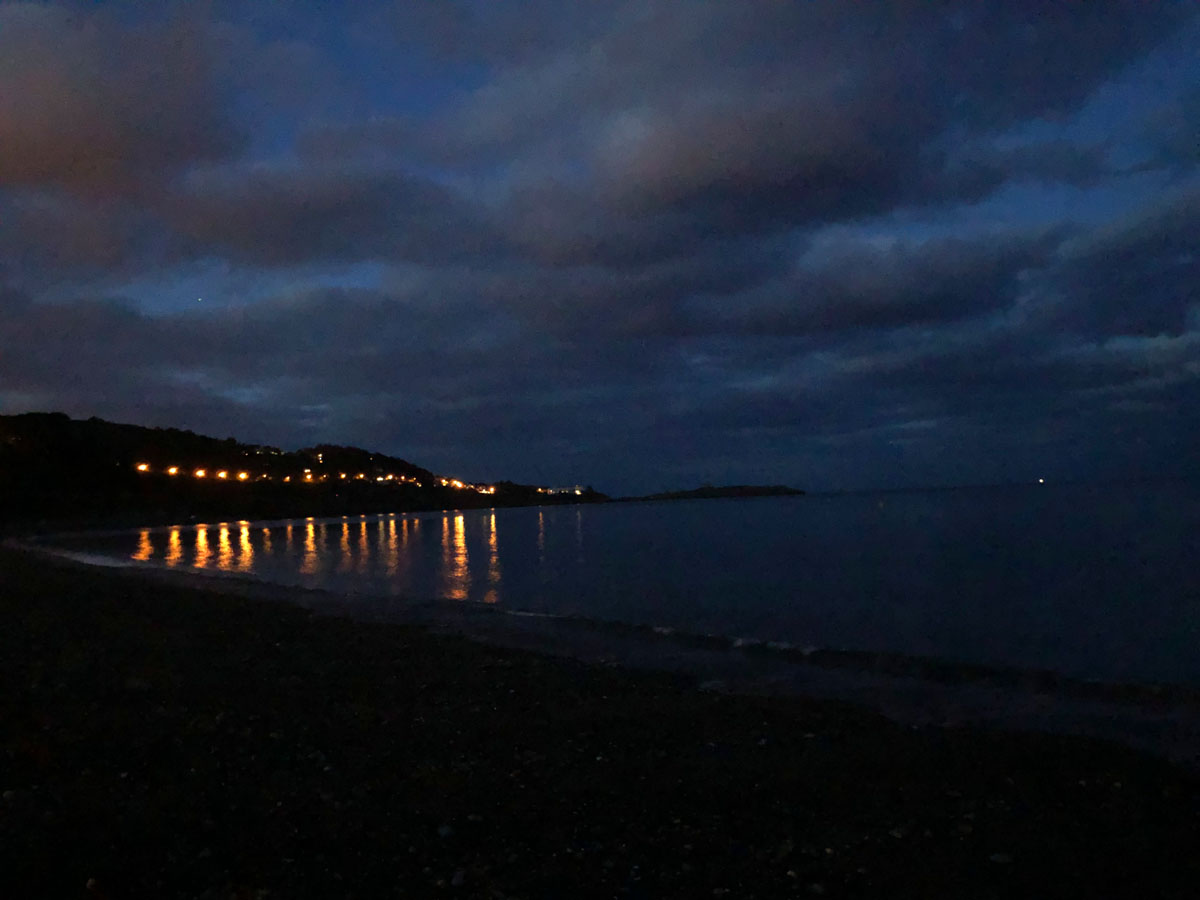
(308, 477)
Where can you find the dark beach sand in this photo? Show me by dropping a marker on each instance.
(158, 740)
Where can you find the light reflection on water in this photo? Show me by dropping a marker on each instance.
(454, 554)
(309, 564)
(224, 550)
(492, 595)
(1098, 582)
(174, 548)
(344, 560)
(145, 548)
(386, 552)
(245, 551)
(202, 554)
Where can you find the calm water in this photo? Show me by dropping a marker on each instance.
(1097, 582)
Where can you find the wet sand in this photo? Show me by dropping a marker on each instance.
(164, 740)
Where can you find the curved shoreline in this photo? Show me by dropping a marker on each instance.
(216, 739)
(1163, 720)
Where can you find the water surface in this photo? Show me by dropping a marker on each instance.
(1094, 582)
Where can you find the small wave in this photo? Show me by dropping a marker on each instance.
(527, 614)
(96, 559)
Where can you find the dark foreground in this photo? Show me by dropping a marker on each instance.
(158, 741)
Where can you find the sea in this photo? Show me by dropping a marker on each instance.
(1095, 582)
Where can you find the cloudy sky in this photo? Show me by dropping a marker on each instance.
(639, 245)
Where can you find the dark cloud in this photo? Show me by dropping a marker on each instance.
(887, 284)
(52, 235)
(648, 243)
(975, 172)
(1173, 131)
(274, 216)
(1136, 277)
(93, 103)
(753, 117)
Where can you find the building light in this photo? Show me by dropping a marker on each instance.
(242, 476)
(308, 476)
(173, 470)
(287, 477)
(222, 474)
(200, 473)
(341, 474)
(143, 467)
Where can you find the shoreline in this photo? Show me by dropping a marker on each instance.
(161, 739)
(1160, 719)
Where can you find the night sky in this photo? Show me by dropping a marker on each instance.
(640, 246)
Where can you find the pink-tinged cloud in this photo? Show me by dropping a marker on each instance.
(96, 105)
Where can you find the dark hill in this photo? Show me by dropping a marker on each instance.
(57, 471)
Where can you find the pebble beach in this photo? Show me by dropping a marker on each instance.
(163, 740)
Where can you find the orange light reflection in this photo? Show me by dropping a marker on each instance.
(203, 553)
(246, 552)
(224, 549)
(145, 549)
(493, 591)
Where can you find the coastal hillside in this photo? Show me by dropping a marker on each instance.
(55, 468)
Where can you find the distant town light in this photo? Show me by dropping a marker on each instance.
(173, 470)
(222, 474)
(308, 476)
(143, 467)
(341, 474)
(200, 473)
(242, 476)
(287, 477)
